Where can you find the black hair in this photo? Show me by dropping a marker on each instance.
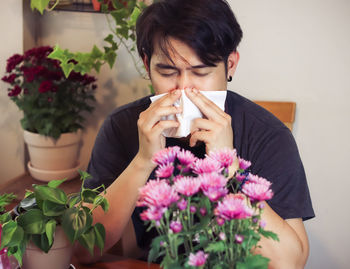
(209, 27)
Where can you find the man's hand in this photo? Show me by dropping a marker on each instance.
(215, 131)
(150, 125)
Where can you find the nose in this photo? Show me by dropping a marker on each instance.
(183, 81)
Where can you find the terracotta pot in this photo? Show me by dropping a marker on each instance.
(96, 4)
(58, 257)
(49, 154)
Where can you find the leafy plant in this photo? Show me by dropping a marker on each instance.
(51, 103)
(121, 17)
(47, 206)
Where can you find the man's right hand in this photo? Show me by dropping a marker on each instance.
(150, 126)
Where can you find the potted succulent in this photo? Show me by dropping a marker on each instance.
(53, 108)
(49, 221)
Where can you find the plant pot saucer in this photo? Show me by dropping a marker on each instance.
(48, 175)
(71, 266)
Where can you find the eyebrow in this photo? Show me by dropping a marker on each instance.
(167, 66)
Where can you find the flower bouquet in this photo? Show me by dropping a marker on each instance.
(51, 103)
(205, 219)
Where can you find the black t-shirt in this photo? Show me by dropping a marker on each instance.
(258, 137)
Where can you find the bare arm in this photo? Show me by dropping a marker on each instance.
(293, 248)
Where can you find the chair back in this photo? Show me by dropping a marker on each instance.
(284, 111)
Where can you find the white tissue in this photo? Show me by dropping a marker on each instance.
(189, 111)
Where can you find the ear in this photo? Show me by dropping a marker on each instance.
(145, 63)
(232, 62)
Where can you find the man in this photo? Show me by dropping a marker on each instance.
(192, 45)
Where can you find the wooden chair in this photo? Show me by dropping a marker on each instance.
(284, 111)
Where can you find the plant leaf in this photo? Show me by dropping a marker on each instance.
(11, 235)
(52, 209)
(55, 183)
(100, 235)
(51, 194)
(32, 221)
(215, 247)
(40, 5)
(41, 241)
(101, 201)
(75, 222)
(88, 196)
(87, 240)
(253, 262)
(50, 228)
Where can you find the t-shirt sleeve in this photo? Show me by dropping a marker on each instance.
(108, 158)
(277, 159)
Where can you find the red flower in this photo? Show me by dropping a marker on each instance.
(10, 79)
(45, 86)
(13, 61)
(15, 91)
(30, 73)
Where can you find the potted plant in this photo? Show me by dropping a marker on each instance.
(53, 108)
(49, 221)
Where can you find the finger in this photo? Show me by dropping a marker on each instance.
(206, 106)
(163, 125)
(168, 99)
(201, 135)
(204, 124)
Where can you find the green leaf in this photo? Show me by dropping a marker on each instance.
(133, 17)
(51, 194)
(100, 236)
(88, 196)
(28, 203)
(41, 241)
(11, 234)
(101, 201)
(52, 209)
(73, 200)
(55, 183)
(6, 199)
(40, 5)
(84, 175)
(216, 247)
(269, 234)
(5, 217)
(50, 228)
(75, 222)
(32, 222)
(155, 248)
(87, 240)
(253, 262)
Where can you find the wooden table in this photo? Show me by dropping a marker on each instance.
(116, 262)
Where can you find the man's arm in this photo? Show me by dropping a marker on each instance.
(292, 250)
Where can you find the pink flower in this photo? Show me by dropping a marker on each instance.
(259, 180)
(239, 238)
(262, 224)
(153, 213)
(157, 193)
(257, 192)
(203, 211)
(175, 226)
(182, 204)
(212, 180)
(197, 259)
(165, 170)
(206, 165)
(222, 236)
(186, 157)
(225, 156)
(220, 221)
(193, 209)
(166, 155)
(187, 185)
(243, 164)
(233, 206)
(215, 194)
(240, 177)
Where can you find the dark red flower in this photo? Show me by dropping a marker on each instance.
(38, 53)
(30, 73)
(45, 86)
(49, 99)
(13, 61)
(10, 79)
(15, 91)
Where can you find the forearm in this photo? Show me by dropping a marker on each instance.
(121, 195)
(292, 249)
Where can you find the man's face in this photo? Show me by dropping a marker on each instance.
(186, 71)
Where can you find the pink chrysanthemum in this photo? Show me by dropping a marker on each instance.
(166, 155)
(165, 170)
(257, 192)
(240, 177)
(215, 194)
(233, 206)
(157, 193)
(186, 157)
(207, 165)
(259, 180)
(197, 259)
(225, 156)
(175, 226)
(243, 164)
(212, 180)
(153, 213)
(182, 204)
(187, 185)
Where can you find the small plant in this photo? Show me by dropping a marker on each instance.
(47, 206)
(51, 103)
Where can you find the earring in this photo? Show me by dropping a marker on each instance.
(229, 79)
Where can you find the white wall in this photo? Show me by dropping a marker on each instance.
(11, 138)
(300, 51)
